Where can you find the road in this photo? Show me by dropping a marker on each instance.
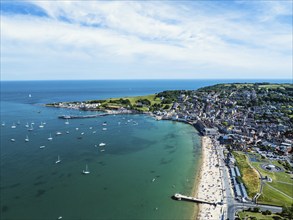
(233, 205)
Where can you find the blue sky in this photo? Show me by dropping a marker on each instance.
(146, 39)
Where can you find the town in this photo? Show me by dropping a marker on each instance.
(250, 126)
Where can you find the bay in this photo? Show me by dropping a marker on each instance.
(134, 176)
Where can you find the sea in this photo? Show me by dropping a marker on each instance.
(143, 163)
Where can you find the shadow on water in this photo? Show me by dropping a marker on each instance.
(169, 146)
(40, 192)
(39, 183)
(39, 177)
(164, 161)
(10, 186)
(4, 208)
(172, 151)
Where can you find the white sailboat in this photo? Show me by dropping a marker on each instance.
(27, 125)
(67, 122)
(86, 171)
(3, 124)
(102, 144)
(50, 138)
(26, 139)
(13, 126)
(12, 140)
(104, 129)
(41, 125)
(58, 160)
(42, 146)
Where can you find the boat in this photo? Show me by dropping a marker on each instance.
(50, 138)
(41, 125)
(60, 217)
(29, 95)
(67, 122)
(76, 129)
(12, 140)
(104, 129)
(3, 124)
(58, 133)
(82, 133)
(67, 132)
(91, 128)
(102, 150)
(86, 171)
(26, 139)
(27, 125)
(43, 146)
(102, 144)
(58, 160)
(105, 123)
(94, 132)
(31, 128)
(18, 123)
(13, 126)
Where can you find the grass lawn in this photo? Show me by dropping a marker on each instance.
(250, 176)
(152, 98)
(257, 215)
(133, 101)
(270, 195)
(273, 197)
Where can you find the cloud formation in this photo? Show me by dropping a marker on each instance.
(118, 39)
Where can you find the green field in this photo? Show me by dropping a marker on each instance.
(257, 215)
(140, 103)
(282, 184)
(249, 176)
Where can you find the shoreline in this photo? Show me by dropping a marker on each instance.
(209, 185)
(201, 211)
(197, 179)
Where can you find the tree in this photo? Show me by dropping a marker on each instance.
(256, 209)
(167, 107)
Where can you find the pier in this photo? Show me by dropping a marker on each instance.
(192, 199)
(82, 116)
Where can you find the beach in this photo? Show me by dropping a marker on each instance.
(209, 184)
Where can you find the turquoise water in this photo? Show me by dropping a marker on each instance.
(143, 164)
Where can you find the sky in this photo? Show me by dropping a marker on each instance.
(52, 40)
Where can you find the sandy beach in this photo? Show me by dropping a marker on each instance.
(209, 185)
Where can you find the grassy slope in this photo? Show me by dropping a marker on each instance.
(152, 98)
(249, 175)
(271, 196)
(133, 100)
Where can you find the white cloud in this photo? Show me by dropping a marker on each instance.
(155, 35)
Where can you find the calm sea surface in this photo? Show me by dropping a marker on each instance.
(142, 165)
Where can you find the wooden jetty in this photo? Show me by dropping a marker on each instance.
(192, 199)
